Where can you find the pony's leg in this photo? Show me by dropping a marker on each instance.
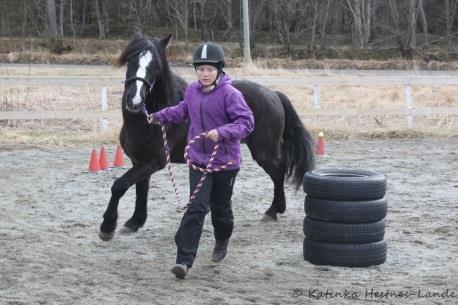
(137, 173)
(140, 213)
(272, 164)
(276, 171)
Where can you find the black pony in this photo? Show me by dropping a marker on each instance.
(279, 143)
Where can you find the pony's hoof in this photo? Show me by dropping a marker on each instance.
(268, 218)
(106, 236)
(127, 230)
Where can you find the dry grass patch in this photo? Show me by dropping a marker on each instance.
(340, 99)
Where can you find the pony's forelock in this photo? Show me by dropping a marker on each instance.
(137, 45)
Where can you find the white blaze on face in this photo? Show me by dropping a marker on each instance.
(143, 63)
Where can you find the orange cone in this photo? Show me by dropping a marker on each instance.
(119, 157)
(320, 145)
(103, 162)
(94, 165)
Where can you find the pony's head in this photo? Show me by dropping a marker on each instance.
(146, 64)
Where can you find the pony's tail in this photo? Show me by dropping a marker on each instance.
(298, 145)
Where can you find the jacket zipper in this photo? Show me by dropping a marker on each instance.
(202, 122)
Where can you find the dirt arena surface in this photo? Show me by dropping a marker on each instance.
(51, 211)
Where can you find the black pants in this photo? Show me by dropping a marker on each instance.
(215, 195)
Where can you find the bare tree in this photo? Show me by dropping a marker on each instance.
(207, 12)
(61, 17)
(324, 21)
(411, 37)
(100, 23)
(51, 18)
(72, 25)
(290, 20)
(134, 16)
(450, 13)
(180, 15)
(83, 16)
(361, 30)
(225, 8)
(424, 22)
(24, 19)
(315, 21)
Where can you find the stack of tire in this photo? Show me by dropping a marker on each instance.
(344, 223)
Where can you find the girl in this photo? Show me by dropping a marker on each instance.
(213, 106)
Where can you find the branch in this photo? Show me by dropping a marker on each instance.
(351, 8)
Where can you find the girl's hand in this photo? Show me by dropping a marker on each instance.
(151, 120)
(213, 135)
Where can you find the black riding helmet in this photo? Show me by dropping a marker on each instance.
(209, 53)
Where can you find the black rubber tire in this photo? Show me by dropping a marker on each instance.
(344, 184)
(348, 233)
(345, 255)
(345, 211)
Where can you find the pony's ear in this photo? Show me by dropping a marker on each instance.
(165, 41)
(137, 33)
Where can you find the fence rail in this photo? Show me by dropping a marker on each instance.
(409, 111)
(96, 114)
(335, 80)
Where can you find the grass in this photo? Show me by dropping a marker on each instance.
(95, 51)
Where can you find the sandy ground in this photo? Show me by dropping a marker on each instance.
(51, 210)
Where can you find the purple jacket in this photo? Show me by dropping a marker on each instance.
(223, 108)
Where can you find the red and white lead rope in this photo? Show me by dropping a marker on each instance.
(205, 171)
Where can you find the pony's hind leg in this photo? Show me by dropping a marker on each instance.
(272, 164)
(276, 171)
(139, 217)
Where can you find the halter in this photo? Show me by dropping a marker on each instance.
(205, 170)
(149, 85)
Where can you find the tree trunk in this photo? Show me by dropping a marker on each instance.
(424, 23)
(51, 18)
(133, 13)
(194, 15)
(315, 20)
(105, 17)
(357, 28)
(24, 21)
(366, 19)
(324, 23)
(72, 25)
(61, 18)
(180, 16)
(83, 17)
(450, 12)
(411, 43)
(226, 11)
(99, 20)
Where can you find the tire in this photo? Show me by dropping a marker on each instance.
(344, 184)
(345, 211)
(332, 232)
(345, 255)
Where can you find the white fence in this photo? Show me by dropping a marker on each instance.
(409, 111)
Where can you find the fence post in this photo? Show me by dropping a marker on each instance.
(409, 106)
(316, 92)
(104, 105)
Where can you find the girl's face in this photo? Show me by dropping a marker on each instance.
(206, 74)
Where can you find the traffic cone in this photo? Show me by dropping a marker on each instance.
(320, 145)
(119, 158)
(103, 162)
(94, 165)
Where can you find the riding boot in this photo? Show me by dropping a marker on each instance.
(220, 251)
